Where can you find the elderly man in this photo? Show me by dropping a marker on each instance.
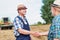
(54, 32)
(21, 25)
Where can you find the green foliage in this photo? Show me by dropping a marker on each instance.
(46, 10)
(39, 23)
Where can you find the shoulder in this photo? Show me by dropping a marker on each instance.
(56, 19)
(16, 19)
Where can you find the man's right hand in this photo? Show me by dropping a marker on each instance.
(35, 34)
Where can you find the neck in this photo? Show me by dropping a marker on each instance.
(22, 15)
(57, 13)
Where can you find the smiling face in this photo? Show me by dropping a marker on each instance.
(22, 11)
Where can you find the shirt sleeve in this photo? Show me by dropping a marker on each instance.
(17, 24)
(56, 31)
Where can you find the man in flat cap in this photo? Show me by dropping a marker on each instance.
(54, 32)
(21, 25)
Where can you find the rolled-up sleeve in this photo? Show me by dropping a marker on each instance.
(17, 24)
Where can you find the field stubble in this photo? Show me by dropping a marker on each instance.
(8, 34)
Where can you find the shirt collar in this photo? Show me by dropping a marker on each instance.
(21, 16)
(57, 15)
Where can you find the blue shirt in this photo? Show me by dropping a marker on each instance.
(54, 31)
(18, 24)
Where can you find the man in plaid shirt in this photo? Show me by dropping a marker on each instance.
(21, 25)
(54, 32)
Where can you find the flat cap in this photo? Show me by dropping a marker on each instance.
(21, 6)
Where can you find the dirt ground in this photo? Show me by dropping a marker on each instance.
(8, 34)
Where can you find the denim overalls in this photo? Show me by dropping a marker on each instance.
(26, 27)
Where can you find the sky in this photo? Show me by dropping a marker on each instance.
(8, 9)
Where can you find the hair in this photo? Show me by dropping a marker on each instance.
(18, 10)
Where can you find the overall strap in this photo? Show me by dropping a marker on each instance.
(21, 19)
(26, 21)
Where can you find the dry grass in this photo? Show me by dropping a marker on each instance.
(8, 34)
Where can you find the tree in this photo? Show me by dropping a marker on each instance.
(46, 10)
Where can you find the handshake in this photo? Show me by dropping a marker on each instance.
(35, 34)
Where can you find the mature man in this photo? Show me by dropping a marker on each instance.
(21, 25)
(54, 32)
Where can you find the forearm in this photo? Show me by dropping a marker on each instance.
(25, 32)
(44, 33)
(56, 39)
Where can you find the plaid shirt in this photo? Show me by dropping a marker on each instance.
(18, 24)
(54, 31)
